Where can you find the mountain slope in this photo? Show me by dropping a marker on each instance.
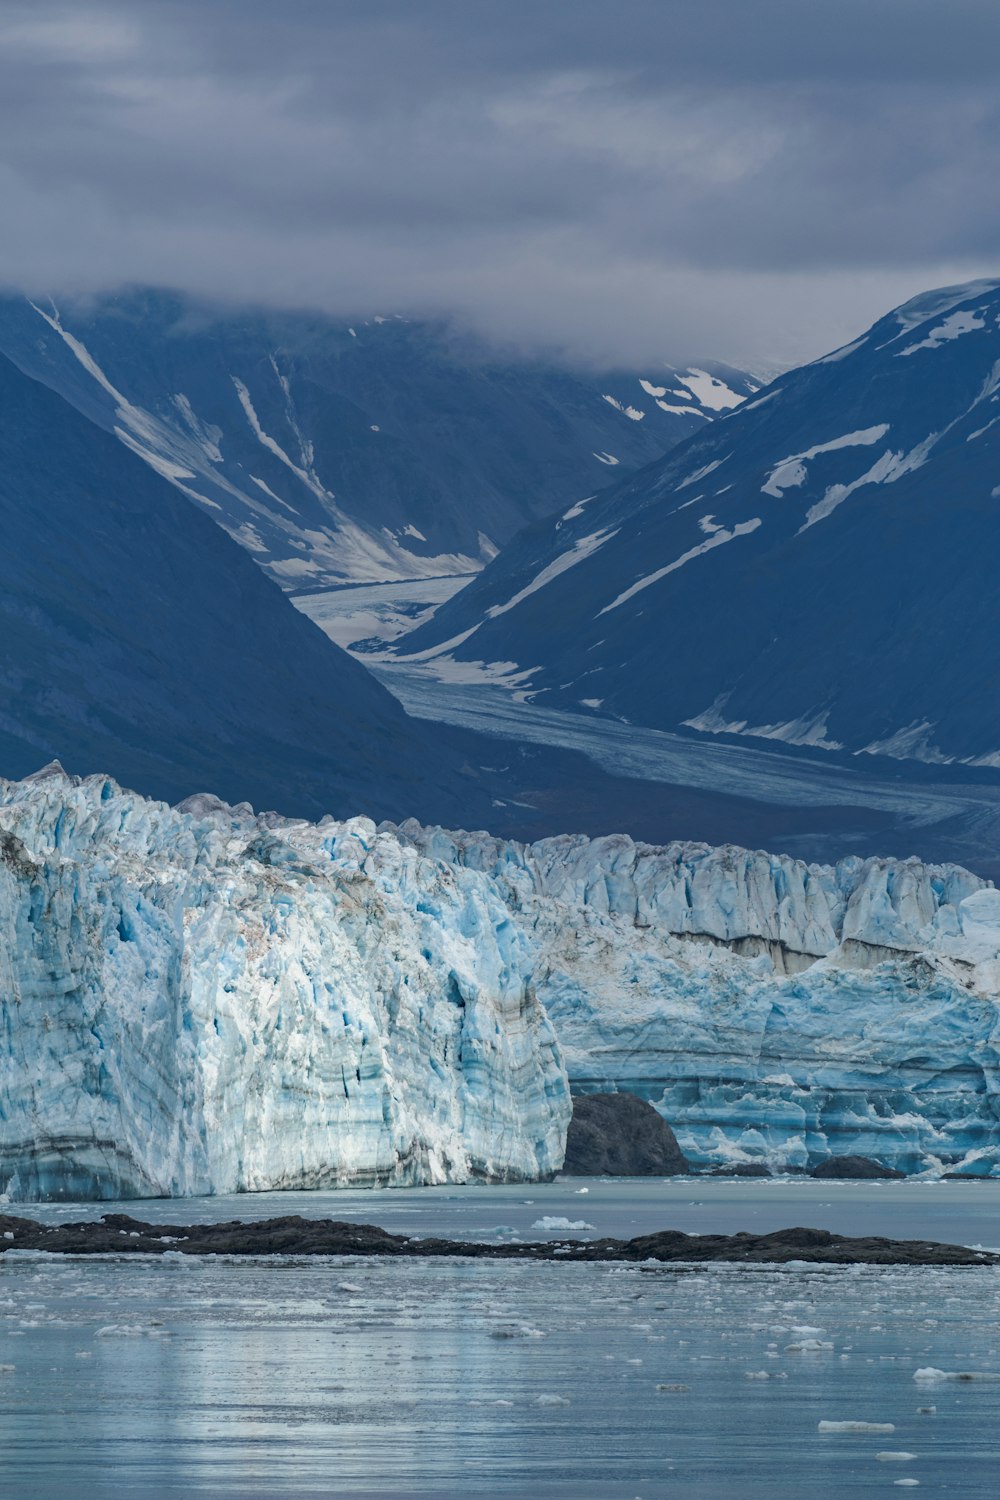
(818, 568)
(136, 637)
(332, 453)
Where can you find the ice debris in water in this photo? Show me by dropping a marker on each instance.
(556, 1221)
(515, 1331)
(545, 1400)
(856, 1427)
(928, 1375)
(898, 1457)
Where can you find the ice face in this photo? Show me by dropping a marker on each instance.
(771, 1010)
(200, 1000)
(203, 1001)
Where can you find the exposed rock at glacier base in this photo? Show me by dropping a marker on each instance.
(622, 1136)
(852, 1168)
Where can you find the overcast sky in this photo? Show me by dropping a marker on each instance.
(625, 179)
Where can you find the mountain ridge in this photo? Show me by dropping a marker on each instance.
(747, 582)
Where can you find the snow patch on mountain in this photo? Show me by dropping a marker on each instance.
(583, 547)
(710, 391)
(789, 473)
(629, 411)
(809, 729)
(718, 539)
(886, 470)
(953, 327)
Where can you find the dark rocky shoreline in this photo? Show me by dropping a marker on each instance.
(294, 1235)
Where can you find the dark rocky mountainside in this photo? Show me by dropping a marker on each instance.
(138, 640)
(337, 452)
(817, 569)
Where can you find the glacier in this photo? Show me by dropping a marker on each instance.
(199, 1001)
(202, 999)
(773, 1011)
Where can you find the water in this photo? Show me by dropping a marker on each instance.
(175, 1376)
(966, 1213)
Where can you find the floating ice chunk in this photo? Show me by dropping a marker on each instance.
(808, 1346)
(515, 1331)
(756, 1374)
(546, 1400)
(579, 1192)
(7, 1369)
(349, 1286)
(890, 1456)
(556, 1221)
(856, 1427)
(929, 1375)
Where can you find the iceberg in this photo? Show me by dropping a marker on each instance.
(198, 1000)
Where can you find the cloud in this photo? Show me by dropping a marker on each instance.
(649, 180)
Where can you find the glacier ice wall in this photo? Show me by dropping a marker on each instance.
(201, 1001)
(771, 1010)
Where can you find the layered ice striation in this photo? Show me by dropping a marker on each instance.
(771, 1010)
(202, 1001)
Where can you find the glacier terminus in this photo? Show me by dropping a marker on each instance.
(202, 1000)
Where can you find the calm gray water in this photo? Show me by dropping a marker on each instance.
(176, 1377)
(963, 1212)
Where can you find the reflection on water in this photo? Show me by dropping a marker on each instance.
(176, 1377)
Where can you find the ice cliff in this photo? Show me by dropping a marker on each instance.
(771, 1010)
(201, 1001)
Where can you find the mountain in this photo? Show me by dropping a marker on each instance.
(349, 453)
(137, 638)
(818, 568)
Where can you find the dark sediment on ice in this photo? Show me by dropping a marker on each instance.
(294, 1235)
